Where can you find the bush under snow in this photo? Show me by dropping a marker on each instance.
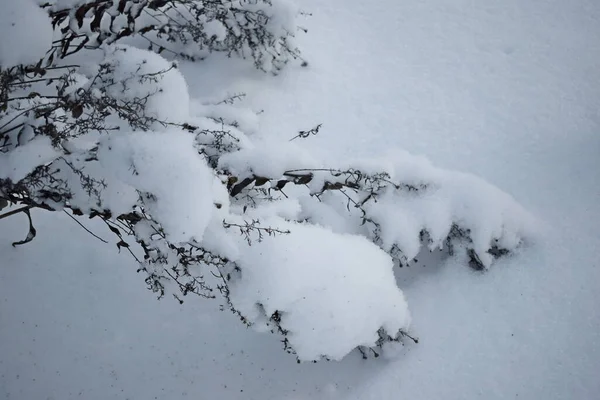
(294, 245)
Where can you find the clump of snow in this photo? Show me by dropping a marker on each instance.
(15, 165)
(402, 202)
(167, 89)
(412, 198)
(216, 29)
(166, 166)
(259, 30)
(115, 195)
(269, 158)
(216, 238)
(288, 209)
(327, 212)
(281, 23)
(245, 119)
(26, 33)
(490, 216)
(333, 292)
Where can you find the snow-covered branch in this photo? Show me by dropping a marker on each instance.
(292, 244)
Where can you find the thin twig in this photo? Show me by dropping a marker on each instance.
(86, 229)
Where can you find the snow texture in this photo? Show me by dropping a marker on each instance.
(428, 199)
(490, 215)
(16, 164)
(26, 32)
(290, 275)
(166, 165)
(509, 91)
(333, 292)
(169, 99)
(267, 158)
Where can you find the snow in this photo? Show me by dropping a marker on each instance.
(508, 91)
(169, 98)
(267, 159)
(166, 165)
(20, 162)
(282, 16)
(438, 201)
(333, 292)
(26, 31)
(215, 29)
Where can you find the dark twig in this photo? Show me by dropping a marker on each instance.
(18, 210)
(305, 134)
(86, 229)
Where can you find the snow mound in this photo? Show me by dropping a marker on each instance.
(16, 164)
(165, 167)
(330, 292)
(444, 205)
(266, 158)
(141, 74)
(401, 202)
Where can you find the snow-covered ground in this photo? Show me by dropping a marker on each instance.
(508, 90)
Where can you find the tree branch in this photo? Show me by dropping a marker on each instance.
(18, 210)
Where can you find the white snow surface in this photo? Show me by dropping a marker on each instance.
(506, 90)
(26, 32)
